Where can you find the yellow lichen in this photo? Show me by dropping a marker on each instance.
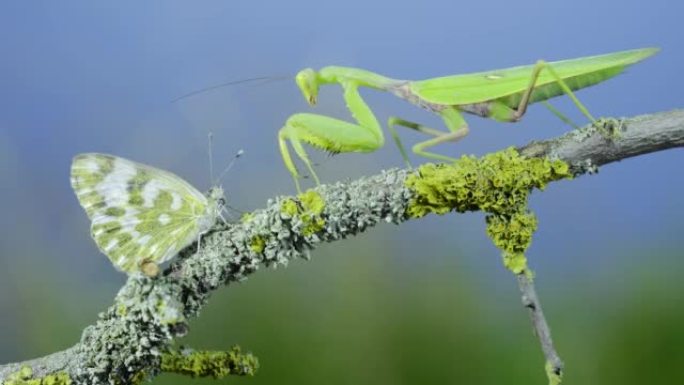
(216, 364)
(246, 217)
(554, 377)
(289, 207)
(512, 234)
(498, 184)
(257, 244)
(312, 202)
(308, 208)
(139, 378)
(312, 206)
(24, 376)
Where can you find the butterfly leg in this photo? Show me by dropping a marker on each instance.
(199, 242)
(223, 219)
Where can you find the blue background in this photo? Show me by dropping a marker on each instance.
(83, 76)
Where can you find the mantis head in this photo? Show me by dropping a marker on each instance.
(308, 84)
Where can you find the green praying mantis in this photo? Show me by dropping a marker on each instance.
(502, 95)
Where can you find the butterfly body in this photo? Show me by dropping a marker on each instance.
(140, 214)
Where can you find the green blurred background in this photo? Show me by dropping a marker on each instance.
(426, 302)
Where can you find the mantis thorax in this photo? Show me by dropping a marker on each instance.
(359, 77)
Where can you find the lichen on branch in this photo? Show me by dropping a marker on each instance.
(498, 184)
(215, 364)
(25, 376)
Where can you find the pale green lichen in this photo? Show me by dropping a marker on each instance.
(132, 333)
(168, 312)
(216, 364)
(498, 184)
(609, 128)
(138, 378)
(121, 310)
(24, 376)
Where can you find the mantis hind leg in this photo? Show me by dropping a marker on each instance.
(560, 115)
(454, 121)
(525, 100)
(393, 121)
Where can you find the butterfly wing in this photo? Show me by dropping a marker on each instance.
(138, 213)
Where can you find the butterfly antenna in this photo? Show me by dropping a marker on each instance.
(263, 79)
(229, 210)
(230, 165)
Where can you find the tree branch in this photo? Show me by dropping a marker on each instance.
(148, 313)
(587, 147)
(554, 365)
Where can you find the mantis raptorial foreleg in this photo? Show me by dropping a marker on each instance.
(331, 134)
(339, 136)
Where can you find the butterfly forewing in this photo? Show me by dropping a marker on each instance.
(138, 213)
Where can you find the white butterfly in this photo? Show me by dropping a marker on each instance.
(141, 216)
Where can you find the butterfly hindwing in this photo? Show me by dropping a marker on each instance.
(139, 213)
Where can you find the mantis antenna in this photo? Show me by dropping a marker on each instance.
(263, 79)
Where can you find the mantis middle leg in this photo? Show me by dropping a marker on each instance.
(453, 119)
